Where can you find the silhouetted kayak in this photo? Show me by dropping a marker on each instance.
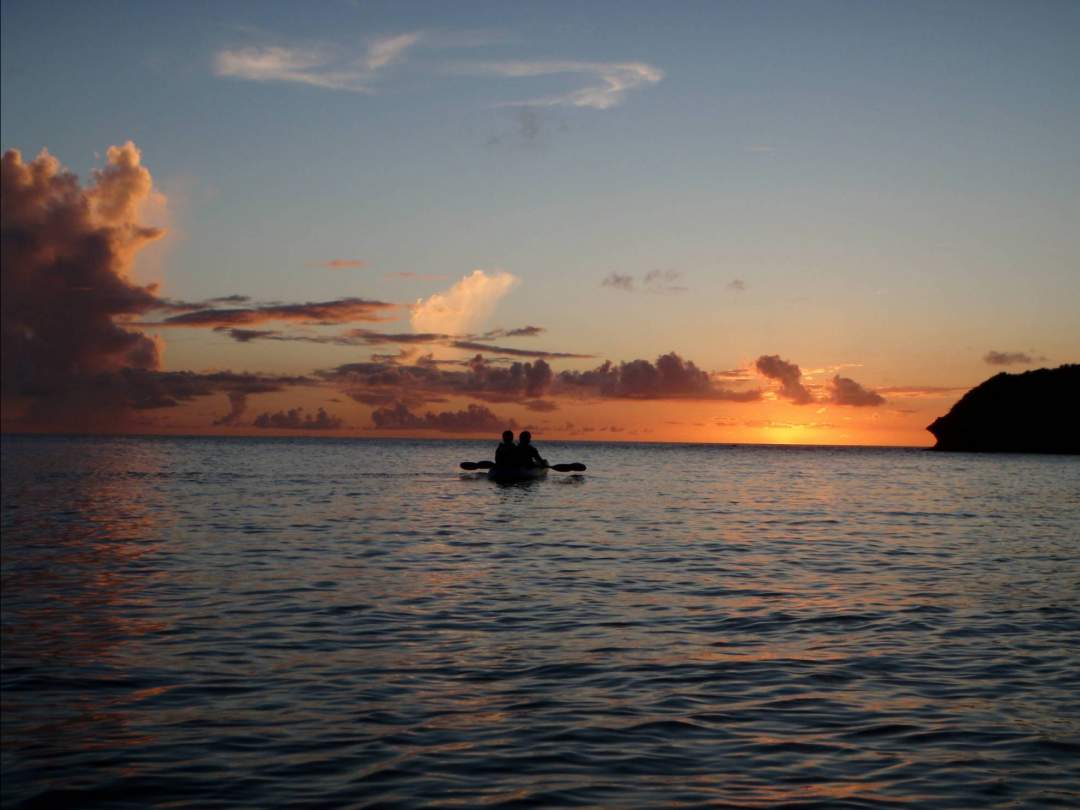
(510, 474)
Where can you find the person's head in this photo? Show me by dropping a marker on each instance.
(525, 437)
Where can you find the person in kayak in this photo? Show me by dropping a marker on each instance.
(506, 453)
(527, 455)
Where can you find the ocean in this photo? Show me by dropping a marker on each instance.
(249, 622)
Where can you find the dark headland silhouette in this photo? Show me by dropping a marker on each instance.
(1034, 412)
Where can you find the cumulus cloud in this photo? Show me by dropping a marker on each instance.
(604, 84)
(670, 377)
(464, 306)
(845, 391)
(73, 357)
(296, 419)
(787, 374)
(475, 419)
(342, 310)
(67, 253)
(317, 66)
(1011, 358)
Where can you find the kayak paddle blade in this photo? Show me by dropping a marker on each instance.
(575, 467)
(477, 465)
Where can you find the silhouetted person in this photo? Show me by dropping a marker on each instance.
(506, 453)
(528, 456)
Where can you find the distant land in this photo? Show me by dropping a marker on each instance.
(1033, 412)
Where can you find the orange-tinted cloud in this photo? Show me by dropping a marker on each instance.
(924, 391)
(465, 306)
(67, 251)
(475, 419)
(344, 264)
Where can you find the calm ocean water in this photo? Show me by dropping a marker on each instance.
(322, 623)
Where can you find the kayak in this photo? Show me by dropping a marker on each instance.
(512, 474)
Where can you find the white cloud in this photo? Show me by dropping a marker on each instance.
(317, 66)
(389, 49)
(465, 306)
(607, 83)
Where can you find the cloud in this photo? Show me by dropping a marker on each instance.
(67, 253)
(366, 337)
(379, 382)
(737, 285)
(523, 331)
(605, 84)
(508, 352)
(663, 281)
(247, 335)
(342, 310)
(789, 376)
(343, 264)
(670, 377)
(388, 50)
(619, 281)
(845, 391)
(541, 405)
(660, 282)
(475, 419)
(318, 66)
(296, 419)
(1011, 358)
(924, 391)
(464, 306)
(237, 406)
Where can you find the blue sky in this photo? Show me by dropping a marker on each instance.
(894, 184)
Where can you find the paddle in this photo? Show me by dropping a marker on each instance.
(487, 465)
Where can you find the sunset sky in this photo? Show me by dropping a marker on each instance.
(814, 222)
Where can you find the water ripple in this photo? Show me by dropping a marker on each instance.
(311, 623)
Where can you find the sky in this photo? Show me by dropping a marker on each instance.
(815, 222)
